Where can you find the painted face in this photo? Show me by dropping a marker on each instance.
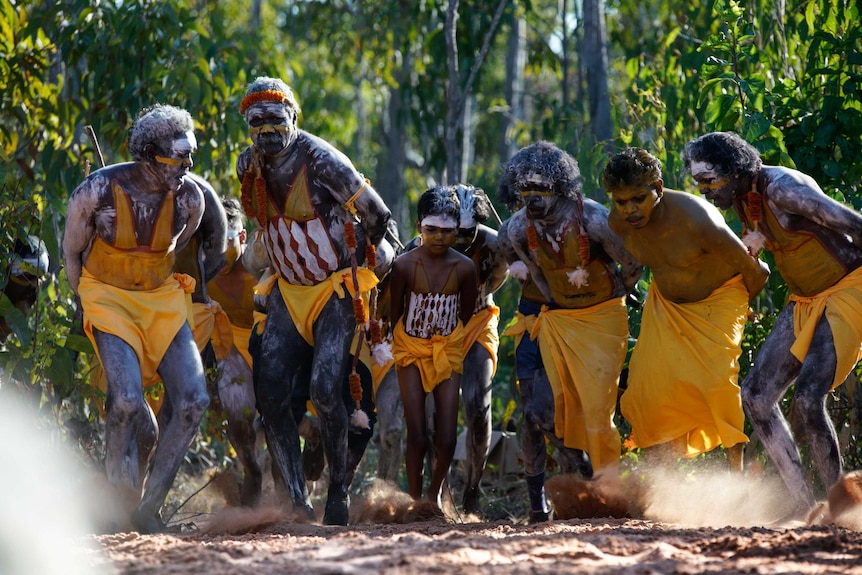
(636, 204)
(438, 233)
(466, 236)
(538, 201)
(717, 189)
(177, 164)
(270, 126)
(234, 247)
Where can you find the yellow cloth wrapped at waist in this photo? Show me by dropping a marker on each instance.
(212, 323)
(682, 382)
(437, 358)
(241, 336)
(146, 320)
(522, 324)
(482, 329)
(304, 303)
(583, 352)
(842, 304)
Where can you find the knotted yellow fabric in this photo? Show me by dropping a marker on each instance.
(304, 303)
(842, 304)
(482, 329)
(212, 323)
(146, 320)
(437, 358)
(241, 336)
(682, 383)
(583, 352)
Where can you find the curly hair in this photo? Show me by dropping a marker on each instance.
(158, 125)
(439, 201)
(729, 154)
(542, 159)
(629, 168)
(474, 203)
(267, 84)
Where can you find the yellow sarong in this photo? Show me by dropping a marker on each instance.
(583, 352)
(482, 329)
(146, 320)
(304, 303)
(842, 304)
(241, 336)
(437, 358)
(683, 372)
(212, 323)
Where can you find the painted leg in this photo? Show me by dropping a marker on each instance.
(476, 391)
(538, 408)
(333, 333)
(735, 457)
(809, 403)
(185, 390)
(390, 413)
(236, 392)
(762, 390)
(358, 437)
(282, 351)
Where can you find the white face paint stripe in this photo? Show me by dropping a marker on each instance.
(702, 170)
(439, 221)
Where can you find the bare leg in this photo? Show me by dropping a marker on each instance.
(476, 391)
(538, 406)
(282, 352)
(390, 413)
(333, 333)
(735, 456)
(236, 392)
(125, 406)
(413, 398)
(762, 389)
(185, 390)
(809, 402)
(446, 398)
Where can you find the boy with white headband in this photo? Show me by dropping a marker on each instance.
(433, 290)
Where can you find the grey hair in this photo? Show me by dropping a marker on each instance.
(158, 125)
(543, 159)
(265, 83)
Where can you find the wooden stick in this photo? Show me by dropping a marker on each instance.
(92, 134)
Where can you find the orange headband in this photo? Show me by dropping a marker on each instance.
(262, 96)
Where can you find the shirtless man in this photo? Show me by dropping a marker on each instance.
(124, 224)
(233, 289)
(815, 342)
(317, 214)
(572, 322)
(682, 396)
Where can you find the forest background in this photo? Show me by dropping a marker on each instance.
(415, 92)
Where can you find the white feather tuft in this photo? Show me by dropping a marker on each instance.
(382, 353)
(579, 277)
(754, 241)
(360, 419)
(519, 270)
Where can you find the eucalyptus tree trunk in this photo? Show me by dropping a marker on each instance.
(595, 57)
(390, 182)
(516, 58)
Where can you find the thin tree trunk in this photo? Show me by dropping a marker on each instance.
(595, 55)
(516, 58)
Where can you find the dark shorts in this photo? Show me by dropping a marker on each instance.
(527, 356)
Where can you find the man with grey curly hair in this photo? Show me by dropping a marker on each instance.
(124, 225)
(320, 222)
(571, 329)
